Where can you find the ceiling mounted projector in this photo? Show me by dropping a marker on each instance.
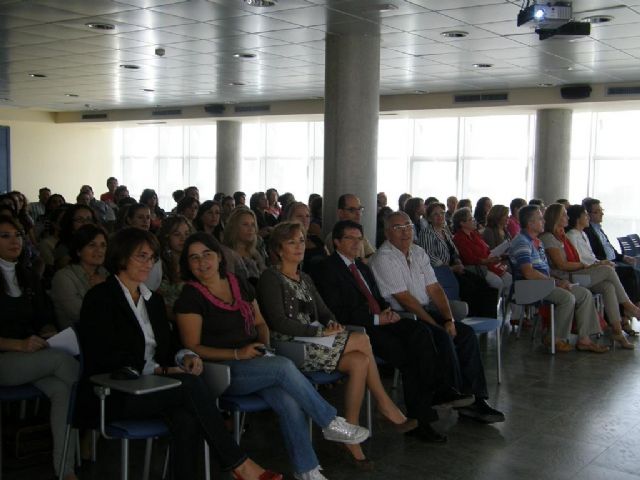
(552, 19)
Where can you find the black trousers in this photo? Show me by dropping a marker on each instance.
(463, 354)
(629, 277)
(191, 414)
(408, 345)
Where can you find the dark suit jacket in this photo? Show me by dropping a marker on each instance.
(110, 335)
(340, 291)
(110, 338)
(596, 245)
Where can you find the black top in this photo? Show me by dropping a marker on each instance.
(25, 315)
(220, 328)
(313, 255)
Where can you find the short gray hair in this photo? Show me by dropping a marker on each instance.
(460, 216)
(387, 219)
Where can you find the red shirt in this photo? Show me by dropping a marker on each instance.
(473, 249)
(513, 226)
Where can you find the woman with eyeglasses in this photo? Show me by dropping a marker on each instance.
(24, 354)
(219, 319)
(292, 306)
(124, 324)
(72, 219)
(70, 284)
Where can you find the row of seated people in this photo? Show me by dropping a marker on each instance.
(466, 244)
(110, 339)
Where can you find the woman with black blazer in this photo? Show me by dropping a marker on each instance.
(123, 324)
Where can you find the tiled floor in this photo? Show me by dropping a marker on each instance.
(575, 415)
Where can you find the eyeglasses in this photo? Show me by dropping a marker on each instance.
(354, 209)
(207, 255)
(9, 235)
(352, 238)
(143, 258)
(400, 228)
(82, 219)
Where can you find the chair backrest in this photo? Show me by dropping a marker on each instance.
(627, 247)
(635, 241)
(448, 281)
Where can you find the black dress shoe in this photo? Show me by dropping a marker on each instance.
(452, 398)
(427, 434)
(481, 412)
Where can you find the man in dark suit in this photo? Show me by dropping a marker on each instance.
(604, 250)
(349, 289)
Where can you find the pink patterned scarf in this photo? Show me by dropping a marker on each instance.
(245, 308)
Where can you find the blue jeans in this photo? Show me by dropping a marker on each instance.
(279, 383)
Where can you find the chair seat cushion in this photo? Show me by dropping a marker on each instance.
(137, 429)
(243, 403)
(19, 392)
(323, 378)
(482, 324)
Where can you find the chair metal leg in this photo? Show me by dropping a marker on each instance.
(369, 413)
(124, 461)
(396, 378)
(165, 467)
(147, 459)
(78, 454)
(65, 452)
(0, 441)
(207, 461)
(94, 446)
(237, 428)
(499, 353)
(553, 331)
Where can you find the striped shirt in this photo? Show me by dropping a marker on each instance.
(526, 250)
(439, 250)
(396, 273)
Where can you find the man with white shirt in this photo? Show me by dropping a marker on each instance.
(407, 281)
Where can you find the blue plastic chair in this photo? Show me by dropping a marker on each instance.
(627, 247)
(449, 283)
(19, 393)
(239, 406)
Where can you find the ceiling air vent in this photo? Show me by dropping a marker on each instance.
(166, 113)
(481, 97)
(623, 91)
(94, 116)
(252, 108)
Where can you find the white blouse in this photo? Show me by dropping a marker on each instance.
(580, 241)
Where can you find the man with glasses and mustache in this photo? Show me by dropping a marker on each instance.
(407, 282)
(350, 208)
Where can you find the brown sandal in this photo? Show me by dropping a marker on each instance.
(592, 347)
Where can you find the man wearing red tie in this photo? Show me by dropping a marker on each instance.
(349, 289)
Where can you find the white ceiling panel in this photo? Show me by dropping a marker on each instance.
(199, 38)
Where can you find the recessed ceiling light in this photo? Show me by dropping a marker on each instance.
(482, 65)
(37, 75)
(598, 19)
(148, 90)
(420, 92)
(545, 85)
(236, 84)
(454, 34)
(101, 26)
(4, 99)
(129, 66)
(261, 3)
(71, 95)
(244, 55)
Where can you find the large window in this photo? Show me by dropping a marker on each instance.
(167, 158)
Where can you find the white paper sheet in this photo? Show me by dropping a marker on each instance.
(324, 341)
(65, 340)
(500, 249)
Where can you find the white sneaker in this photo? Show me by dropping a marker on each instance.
(310, 475)
(339, 430)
